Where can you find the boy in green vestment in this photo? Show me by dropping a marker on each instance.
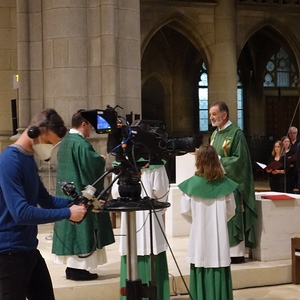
(81, 246)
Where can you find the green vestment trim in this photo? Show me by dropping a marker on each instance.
(198, 186)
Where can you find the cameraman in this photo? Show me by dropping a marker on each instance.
(23, 271)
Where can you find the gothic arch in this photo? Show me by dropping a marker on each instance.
(169, 53)
(261, 42)
(286, 36)
(187, 28)
(154, 95)
(157, 77)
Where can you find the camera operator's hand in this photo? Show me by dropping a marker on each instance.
(77, 213)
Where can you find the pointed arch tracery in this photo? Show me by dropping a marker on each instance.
(274, 30)
(187, 28)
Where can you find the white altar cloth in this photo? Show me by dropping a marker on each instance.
(278, 221)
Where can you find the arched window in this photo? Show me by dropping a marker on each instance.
(203, 99)
(280, 71)
(240, 102)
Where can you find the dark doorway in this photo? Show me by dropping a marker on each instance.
(279, 114)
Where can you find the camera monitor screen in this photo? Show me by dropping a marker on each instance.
(104, 121)
(102, 125)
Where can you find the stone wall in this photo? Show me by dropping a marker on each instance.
(87, 54)
(8, 63)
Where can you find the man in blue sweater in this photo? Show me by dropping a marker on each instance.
(24, 203)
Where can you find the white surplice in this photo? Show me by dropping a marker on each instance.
(209, 243)
(155, 184)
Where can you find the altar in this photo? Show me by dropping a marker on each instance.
(278, 221)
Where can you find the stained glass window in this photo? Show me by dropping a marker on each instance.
(240, 103)
(280, 71)
(203, 99)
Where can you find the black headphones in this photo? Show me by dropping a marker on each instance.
(34, 131)
(51, 121)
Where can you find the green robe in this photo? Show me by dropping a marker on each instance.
(79, 163)
(236, 161)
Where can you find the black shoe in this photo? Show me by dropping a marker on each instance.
(78, 274)
(237, 260)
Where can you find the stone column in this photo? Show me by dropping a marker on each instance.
(114, 55)
(23, 40)
(102, 25)
(223, 67)
(129, 45)
(109, 24)
(65, 56)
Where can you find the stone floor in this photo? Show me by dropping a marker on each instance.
(252, 280)
(272, 280)
(282, 292)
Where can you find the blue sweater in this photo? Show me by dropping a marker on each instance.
(21, 192)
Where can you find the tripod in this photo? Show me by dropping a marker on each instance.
(130, 202)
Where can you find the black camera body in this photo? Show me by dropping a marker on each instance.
(145, 139)
(134, 146)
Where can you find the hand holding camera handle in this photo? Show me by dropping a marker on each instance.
(86, 199)
(80, 202)
(77, 213)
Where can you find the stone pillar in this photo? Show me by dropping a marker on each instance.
(8, 65)
(114, 55)
(109, 52)
(102, 32)
(23, 43)
(129, 45)
(65, 56)
(78, 54)
(223, 67)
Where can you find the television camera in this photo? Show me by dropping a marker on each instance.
(135, 146)
(146, 139)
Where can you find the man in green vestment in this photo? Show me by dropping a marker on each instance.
(230, 143)
(81, 246)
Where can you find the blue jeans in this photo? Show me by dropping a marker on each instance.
(24, 274)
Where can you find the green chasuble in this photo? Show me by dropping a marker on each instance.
(231, 145)
(198, 186)
(79, 163)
